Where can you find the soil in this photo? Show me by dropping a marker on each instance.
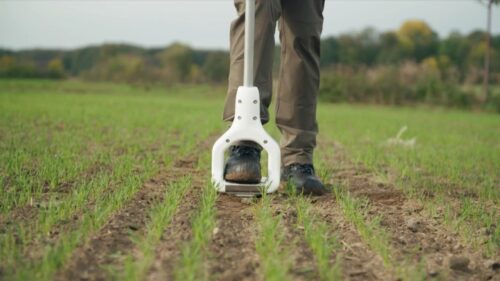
(358, 261)
(412, 233)
(175, 235)
(233, 248)
(107, 248)
(301, 257)
(233, 243)
(415, 238)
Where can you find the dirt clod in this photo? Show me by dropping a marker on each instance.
(459, 263)
(134, 227)
(492, 264)
(413, 224)
(433, 271)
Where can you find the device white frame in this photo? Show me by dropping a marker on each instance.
(247, 127)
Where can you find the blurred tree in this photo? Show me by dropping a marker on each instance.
(55, 68)
(486, 80)
(80, 60)
(12, 67)
(6, 64)
(128, 68)
(178, 58)
(348, 49)
(369, 46)
(216, 66)
(417, 39)
(329, 51)
(456, 47)
(390, 51)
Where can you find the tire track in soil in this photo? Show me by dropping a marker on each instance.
(108, 247)
(233, 255)
(413, 235)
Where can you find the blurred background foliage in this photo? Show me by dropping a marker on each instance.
(411, 65)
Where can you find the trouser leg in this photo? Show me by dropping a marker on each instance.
(300, 27)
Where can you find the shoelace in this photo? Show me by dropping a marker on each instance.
(245, 150)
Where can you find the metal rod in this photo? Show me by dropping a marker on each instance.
(249, 43)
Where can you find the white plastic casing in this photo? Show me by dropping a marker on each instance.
(247, 126)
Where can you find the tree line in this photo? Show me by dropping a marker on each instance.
(176, 63)
(415, 50)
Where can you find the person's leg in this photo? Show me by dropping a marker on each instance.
(266, 14)
(300, 27)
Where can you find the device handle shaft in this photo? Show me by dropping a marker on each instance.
(249, 43)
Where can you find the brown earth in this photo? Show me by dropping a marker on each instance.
(358, 261)
(107, 246)
(178, 232)
(414, 236)
(233, 248)
(106, 249)
(233, 243)
(301, 257)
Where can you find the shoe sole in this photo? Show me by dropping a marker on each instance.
(242, 178)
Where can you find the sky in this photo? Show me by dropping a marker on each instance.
(70, 24)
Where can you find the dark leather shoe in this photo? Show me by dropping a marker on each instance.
(303, 177)
(243, 165)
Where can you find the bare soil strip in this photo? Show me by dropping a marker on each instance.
(233, 255)
(106, 249)
(414, 237)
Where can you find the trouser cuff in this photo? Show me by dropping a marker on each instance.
(289, 157)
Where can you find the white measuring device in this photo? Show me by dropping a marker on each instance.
(247, 126)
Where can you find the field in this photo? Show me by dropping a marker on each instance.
(111, 182)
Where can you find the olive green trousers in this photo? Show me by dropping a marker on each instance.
(300, 26)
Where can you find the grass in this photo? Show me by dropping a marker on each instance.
(455, 156)
(191, 265)
(320, 240)
(55, 256)
(275, 262)
(370, 231)
(375, 236)
(194, 253)
(33, 234)
(119, 147)
(73, 153)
